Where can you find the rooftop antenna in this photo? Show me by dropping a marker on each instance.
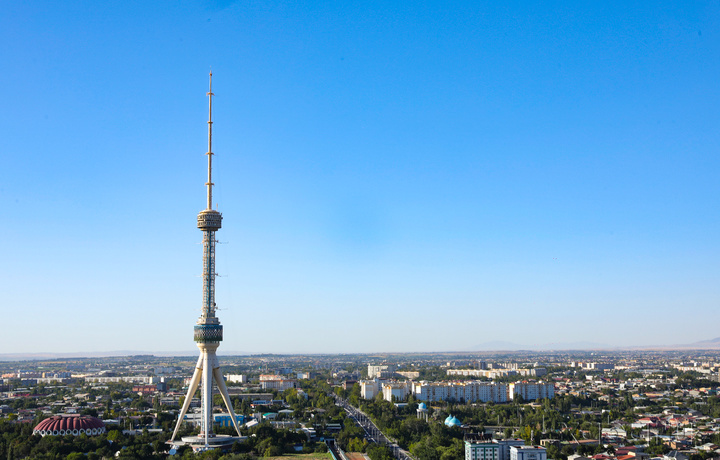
(209, 153)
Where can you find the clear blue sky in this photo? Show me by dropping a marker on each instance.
(394, 176)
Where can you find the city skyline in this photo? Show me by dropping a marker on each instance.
(395, 178)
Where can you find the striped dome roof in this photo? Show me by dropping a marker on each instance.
(70, 424)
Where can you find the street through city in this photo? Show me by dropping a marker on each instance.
(372, 432)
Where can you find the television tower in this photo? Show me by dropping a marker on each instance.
(208, 330)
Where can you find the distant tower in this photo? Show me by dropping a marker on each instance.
(208, 330)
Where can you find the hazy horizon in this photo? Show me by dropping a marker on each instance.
(490, 347)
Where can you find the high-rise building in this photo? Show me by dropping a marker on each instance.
(208, 330)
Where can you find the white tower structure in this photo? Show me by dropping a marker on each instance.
(208, 330)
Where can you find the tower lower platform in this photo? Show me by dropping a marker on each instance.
(198, 443)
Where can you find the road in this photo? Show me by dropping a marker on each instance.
(372, 432)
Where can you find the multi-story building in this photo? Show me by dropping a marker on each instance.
(276, 382)
(593, 366)
(395, 391)
(528, 453)
(506, 444)
(236, 378)
(408, 374)
(131, 379)
(482, 451)
(495, 373)
(460, 391)
(384, 371)
(368, 388)
(530, 391)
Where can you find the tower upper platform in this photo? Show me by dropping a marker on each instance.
(209, 219)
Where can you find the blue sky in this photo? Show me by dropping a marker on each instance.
(393, 176)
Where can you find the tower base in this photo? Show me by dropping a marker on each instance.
(219, 441)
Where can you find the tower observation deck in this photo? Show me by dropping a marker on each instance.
(208, 332)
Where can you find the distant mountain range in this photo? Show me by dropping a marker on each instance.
(712, 344)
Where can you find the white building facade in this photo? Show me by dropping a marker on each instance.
(275, 382)
(460, 391)
(395, 391)
(383, 371)
(531, 391)
(368, 388)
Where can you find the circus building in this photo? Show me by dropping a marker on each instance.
(61, 425)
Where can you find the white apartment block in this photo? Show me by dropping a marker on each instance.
(460, 391)
(593, 366)
(276, 382)
(528, 453)
(133, 379)
(369, 388)
(382, 372)
(495, 373)
(531, 391)
(409, 374)
(236, 378)
(395, 391)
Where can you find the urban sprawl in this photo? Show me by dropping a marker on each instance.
(631, 405)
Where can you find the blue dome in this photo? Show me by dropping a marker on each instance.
(452, 421)
(422, 406)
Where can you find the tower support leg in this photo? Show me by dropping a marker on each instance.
(207, 401)
(226, 397)
(188, 398)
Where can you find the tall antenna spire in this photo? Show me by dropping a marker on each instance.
(210, 152)
(208, 332)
